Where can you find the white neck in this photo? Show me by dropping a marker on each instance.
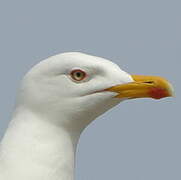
(35, 149)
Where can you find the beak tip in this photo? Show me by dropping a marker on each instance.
(171, 90)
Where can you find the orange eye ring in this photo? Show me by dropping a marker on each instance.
(78, 75)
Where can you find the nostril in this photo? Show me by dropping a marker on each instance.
(149, 82)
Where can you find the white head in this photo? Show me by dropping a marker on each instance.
(73, 86)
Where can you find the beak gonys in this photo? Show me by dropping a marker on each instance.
(143, 87)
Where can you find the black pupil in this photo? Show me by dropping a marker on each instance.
(78, 74)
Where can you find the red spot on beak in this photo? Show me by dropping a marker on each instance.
(158, 93)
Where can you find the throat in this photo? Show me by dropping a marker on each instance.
(34, 148)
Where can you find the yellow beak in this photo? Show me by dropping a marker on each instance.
(144, 87)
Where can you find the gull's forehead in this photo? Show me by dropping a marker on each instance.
(76, 59)
(65, 62)
(95, 64)
(102, 70)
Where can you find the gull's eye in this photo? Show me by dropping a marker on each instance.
(78, 75)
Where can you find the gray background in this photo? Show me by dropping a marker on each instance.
(137, 140)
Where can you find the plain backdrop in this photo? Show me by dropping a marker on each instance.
(138, 139)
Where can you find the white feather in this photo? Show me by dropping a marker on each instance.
(51, 112)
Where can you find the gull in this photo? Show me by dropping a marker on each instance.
(57, 99)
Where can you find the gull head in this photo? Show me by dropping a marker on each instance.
(72, 89)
